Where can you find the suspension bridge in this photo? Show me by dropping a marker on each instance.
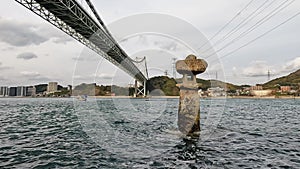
(70, 17)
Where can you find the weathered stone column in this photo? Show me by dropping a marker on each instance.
(189, 102)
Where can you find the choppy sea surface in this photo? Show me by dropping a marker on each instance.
(141, 133)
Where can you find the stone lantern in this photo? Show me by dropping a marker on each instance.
(189, 103)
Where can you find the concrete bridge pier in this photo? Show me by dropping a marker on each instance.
(189, 101)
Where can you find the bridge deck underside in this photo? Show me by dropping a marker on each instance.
(73, 15)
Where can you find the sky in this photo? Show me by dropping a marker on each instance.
(33, 51)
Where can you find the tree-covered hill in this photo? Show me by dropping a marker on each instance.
(293, 79)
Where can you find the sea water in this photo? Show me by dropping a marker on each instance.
(142, 133)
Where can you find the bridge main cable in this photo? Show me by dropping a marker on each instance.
(71, 18)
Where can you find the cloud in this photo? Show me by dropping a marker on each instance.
(94, 76)
(256, 69)
(3, 79)
(19, 34)
(4, 67)
(62, 39)
(57, 36)
(80, 77)
(40, 79)
(261, 68)
(169, 46)
(291, 66)
(87, 56)
(30, 74)
(103, 76)
(34, 76)
(27, 56)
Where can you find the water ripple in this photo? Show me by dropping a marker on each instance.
(56, 133)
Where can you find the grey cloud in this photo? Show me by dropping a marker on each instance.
(3, 79)
(4, 67)
(62, 39)
(34, 76)
(27, 56)
(83, 58)
(19, 34)
(9, 48)
(256, 69)
(94, 76)
(82, 77)
(170, 46)
(291, 66)
(104, 76)
(87, 55)
(55, 34)
(40, 79)
(261, 68)
(30, 74)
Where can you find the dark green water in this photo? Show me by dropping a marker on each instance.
(138, 133)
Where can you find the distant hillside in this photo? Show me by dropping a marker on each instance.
(292, 79)
(205, 84)
(162, 85)
(96, 90)
(167, 86)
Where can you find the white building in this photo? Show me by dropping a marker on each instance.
(260, 93)
(216, 92)
(52, 87)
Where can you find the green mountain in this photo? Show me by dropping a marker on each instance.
(163, 85)
(205, 84)
(292, 79)
(96, 90)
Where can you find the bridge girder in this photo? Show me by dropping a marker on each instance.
(71, 18)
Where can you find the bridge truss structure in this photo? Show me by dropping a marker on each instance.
(70, 17)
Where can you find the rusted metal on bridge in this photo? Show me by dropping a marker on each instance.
(189, 102)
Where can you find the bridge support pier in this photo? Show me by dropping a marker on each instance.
(189, 101)
(138, 91)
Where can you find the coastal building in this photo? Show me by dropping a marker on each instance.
(70, 88)
(31, 91)
(260, 93)
(216, 92)
(285, 89)
(52, 87)
(4, 91)
(257, 87)
(21, 91)
(12, 91)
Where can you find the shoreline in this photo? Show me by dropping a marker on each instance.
(160, 97)
(263, 97)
